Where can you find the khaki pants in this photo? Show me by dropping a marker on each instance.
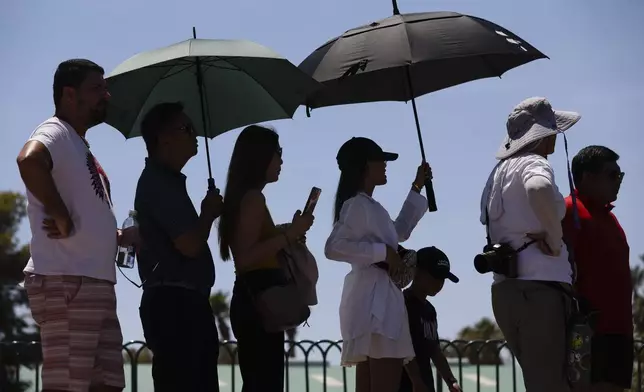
(532, 317)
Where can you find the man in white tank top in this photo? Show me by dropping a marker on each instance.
(71, 274)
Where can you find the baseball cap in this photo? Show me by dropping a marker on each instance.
(433, 261)
(360, 150)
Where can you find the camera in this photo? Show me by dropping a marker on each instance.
(498, 258)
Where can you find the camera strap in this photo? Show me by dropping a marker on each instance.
(489, 239)
(487, 226)
(575, 215)
(575, 211)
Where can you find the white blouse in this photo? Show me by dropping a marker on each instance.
(371, 303)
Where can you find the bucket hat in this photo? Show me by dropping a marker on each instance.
(533, 120)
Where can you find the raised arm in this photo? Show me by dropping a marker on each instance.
(412, 211)
(347, 240)
(177, 216)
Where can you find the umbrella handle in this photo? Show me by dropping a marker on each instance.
(431, 198)
(211, 183)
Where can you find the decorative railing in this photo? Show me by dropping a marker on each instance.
(479, 365)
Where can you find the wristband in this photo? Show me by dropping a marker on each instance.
(415, 187)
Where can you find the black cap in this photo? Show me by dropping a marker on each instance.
(433, 261)
(359, 151)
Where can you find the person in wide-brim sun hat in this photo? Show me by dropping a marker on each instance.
(531, 121)
(521, 203)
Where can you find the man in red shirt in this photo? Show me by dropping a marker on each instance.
(601, 252)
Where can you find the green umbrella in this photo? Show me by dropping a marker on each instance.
(226, 84)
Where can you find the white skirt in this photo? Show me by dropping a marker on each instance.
(374, 345)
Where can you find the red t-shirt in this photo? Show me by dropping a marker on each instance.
(601, 253)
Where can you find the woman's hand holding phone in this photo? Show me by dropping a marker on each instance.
(300, 225)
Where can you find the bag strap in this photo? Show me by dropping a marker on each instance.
(487, 211)
(575, 212)
(577, 225)
(487, 224)
(284, 266)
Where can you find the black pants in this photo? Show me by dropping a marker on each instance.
(180, 329)
(612, 360)
(260, 354)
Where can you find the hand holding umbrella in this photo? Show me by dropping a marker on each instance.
(212, 204)
(423, 175)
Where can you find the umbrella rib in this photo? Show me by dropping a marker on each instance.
(348, 34)
(176, 72)
(411, 58)
(256, 81)
(220, 67)
(152, 89)
(411, 62)
(179, 61)
(492, 68)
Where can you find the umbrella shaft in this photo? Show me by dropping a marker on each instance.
(413, 105)
(211, 182)
(420, 137)
(429, 187)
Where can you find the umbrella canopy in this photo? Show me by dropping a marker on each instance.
(228, 83)
(432, 50)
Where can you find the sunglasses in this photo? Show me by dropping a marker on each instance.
(188, 128)
(616, 175)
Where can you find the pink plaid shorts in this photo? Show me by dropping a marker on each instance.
(80, 332)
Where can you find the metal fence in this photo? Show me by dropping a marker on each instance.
(493, 356)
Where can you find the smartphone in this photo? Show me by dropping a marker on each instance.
(312, 200)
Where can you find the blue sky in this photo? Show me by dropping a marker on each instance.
(595, 68)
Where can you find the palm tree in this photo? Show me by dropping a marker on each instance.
(14, 323)
(221, 310)
(484, 329)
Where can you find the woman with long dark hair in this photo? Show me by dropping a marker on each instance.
(373, 318)
(248, 235)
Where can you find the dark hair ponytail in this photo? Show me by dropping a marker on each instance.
(350, 183)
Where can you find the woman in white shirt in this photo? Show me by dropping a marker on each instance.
(522, 203)
(373, 318)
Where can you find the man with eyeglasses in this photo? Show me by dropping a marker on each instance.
(601, 253)
(175, 263)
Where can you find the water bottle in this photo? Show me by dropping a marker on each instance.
(127, 255)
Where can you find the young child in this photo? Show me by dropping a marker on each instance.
(432, 268)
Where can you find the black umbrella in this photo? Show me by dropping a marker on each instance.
(405, 56)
